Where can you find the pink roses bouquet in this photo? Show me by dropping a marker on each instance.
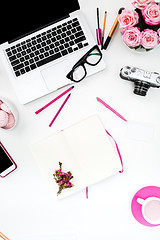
(141, 27)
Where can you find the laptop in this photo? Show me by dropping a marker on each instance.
(39, 44)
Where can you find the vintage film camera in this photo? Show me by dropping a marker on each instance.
(142, 79)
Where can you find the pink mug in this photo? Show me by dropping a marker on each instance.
(150, 209)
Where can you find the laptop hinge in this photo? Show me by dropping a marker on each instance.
(35, 30)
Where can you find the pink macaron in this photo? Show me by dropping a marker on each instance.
(8, 114)
(5, 108)
(11, 121)
(3, 118)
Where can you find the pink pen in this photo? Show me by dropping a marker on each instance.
(110, 108)
(98, 31)
(55, 99)
(59, 110)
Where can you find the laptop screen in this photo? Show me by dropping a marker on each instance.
(19, 18)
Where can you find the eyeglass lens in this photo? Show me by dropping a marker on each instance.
(79, 73)
(92, 59)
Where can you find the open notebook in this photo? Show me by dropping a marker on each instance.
(85, 149)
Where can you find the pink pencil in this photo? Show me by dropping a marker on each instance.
(110, 108)
(59, 110)
(55, 99)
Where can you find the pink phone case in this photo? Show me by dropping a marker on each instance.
(10, 159)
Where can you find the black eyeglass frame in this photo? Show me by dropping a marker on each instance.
(82, 63)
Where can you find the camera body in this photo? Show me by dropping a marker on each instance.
(142, 79)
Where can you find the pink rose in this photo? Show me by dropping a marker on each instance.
(128, 18)
(141, 3)
(131, 36)
(149, 39)
(151, 14)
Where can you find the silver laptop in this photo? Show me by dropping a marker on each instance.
(40, 44)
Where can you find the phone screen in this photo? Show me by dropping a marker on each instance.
(5, 161)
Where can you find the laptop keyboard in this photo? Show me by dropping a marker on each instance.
(46, 47)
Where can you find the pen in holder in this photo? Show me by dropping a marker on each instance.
(98, 30)
(112, 30)
(99, 36)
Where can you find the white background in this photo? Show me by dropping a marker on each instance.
(26, 205)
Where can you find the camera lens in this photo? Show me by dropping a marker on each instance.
(141, 88)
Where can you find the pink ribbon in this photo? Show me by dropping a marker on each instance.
(117, 151)
(119, 154)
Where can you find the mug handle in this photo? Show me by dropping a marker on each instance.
(140, 200)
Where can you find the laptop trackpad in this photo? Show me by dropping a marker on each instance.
(55, 75)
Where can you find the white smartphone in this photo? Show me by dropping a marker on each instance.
(7, 164)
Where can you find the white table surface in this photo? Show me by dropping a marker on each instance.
(26, 206)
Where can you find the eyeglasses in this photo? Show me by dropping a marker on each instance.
(92, 58)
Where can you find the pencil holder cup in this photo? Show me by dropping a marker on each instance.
(8, 114)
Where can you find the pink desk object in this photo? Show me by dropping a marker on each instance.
(99, 36)
(59, 110)
(145, 192)
(87, 192)
(110, 108)
(55, 99)
(98, 30)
